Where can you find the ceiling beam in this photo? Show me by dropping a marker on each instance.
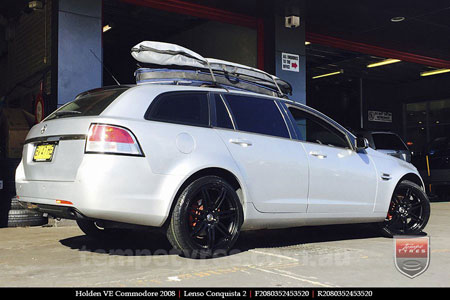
(375, 50)
(199, 10)
(211, 13)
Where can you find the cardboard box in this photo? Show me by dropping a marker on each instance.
(14, 130)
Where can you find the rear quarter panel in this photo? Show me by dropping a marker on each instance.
(170, 149)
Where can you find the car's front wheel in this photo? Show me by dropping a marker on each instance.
(206, 219)
(409, 210)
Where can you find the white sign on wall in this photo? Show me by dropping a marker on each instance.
(290, 62)
(380, 116)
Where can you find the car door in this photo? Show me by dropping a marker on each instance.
(255, 132)
(341, 180)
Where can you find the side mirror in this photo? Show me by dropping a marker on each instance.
(361, 143)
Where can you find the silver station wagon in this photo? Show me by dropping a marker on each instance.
(205, 162)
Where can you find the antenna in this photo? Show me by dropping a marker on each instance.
(114, 78)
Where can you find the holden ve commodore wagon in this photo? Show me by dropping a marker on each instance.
(205, 163)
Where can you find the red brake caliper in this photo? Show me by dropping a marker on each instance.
(194, 213)
(391, 208)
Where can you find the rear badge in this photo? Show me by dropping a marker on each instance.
(412, 254)
(44, 129)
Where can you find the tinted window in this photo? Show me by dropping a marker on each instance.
(88, 104)
(183, 108)
(257, 115)
(222, 116)
(388, 142)
(315, 130)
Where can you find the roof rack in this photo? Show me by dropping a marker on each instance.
(183, 66)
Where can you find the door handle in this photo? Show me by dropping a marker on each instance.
(318, 155)
(386, 176)
(241, 142)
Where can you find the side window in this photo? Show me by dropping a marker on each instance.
(316, 130)
(257, 115)
(182, 108)
(223, 119)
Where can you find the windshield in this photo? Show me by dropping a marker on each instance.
(388, 141)
(87, 104)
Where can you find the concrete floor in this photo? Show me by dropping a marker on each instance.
(328, 256)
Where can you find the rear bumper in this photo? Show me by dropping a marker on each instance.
(57, 211)
(129, 192)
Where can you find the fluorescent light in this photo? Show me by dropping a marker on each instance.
(434, 72)
(106, 28)
(328, 74)
(307, 43)
(384, 62)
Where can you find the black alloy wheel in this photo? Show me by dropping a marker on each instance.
(409, 210)
(207, 218)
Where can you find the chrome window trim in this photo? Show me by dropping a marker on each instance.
(230, 115)
(284, 119)
(56, 138)
(290, 124)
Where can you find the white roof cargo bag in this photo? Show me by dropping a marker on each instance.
(182, 65)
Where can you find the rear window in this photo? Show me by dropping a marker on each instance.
(180, 108)
(386, 141)
(87, 104)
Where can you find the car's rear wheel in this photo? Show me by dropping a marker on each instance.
(408, 212)
(207, 218)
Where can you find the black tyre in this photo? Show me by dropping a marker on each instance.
(94, 229)
(24, 218)
(207, 218)
(15, 204)
(408, 212)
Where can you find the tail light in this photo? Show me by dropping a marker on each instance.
(112, 139)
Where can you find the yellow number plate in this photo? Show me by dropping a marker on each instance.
(44, 152)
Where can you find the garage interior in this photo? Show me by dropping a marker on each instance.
(412, 33)
(388, 59)
(206, 37)
(396, 88)
(35, 63)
